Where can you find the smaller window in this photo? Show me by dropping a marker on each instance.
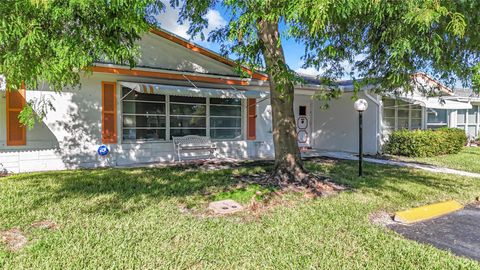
(472, 115)
(461, 116)
(437, 118)
(302, 110)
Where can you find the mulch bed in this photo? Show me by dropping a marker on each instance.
(318, 185)
(222, 164)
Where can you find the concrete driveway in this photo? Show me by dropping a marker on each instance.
(458, 232)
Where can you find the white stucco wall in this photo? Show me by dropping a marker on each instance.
(157, 52)
(336, 128)
(70, 135)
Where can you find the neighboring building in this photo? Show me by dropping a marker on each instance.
(430, 106)
(469, 120)
(179, 88)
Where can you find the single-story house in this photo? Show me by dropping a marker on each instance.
(179, 88)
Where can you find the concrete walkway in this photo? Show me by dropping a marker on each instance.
(430, 168)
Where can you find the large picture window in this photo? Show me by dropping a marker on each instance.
(398, 114)
(153, 117)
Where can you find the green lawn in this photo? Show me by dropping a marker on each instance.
(130, 218)
(467, 160)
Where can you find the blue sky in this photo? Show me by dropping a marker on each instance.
(216, 18)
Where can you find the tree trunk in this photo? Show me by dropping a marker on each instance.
(288, 163)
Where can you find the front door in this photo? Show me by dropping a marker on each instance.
(303, 119)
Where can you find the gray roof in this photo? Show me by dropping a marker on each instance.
(465, 92)
(317, 80)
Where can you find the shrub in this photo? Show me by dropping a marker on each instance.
(426, 143)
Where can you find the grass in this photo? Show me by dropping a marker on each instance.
(130, 218)
(467, 160)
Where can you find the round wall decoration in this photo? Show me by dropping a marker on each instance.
(103, 150)
(302, 122)
(302, 136)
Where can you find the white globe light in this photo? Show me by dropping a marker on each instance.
(360, 105)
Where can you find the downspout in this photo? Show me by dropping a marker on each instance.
(377, 119)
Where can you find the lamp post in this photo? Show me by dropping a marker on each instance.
(360, 106)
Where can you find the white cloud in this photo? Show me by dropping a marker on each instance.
(215, 20)
(311, 71)
(169, 21)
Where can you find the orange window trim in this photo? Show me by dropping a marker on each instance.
(10, 127)
(109, 138)
(165, 75)
(251, 119)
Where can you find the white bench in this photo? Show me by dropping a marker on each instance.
(192, 143)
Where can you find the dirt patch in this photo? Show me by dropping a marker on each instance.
(256, 209)
(476, 203)
(45, 224)
(14, 239)
(381, 218)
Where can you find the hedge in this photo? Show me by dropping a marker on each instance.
(426, 143)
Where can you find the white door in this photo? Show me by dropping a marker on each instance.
(304, 125)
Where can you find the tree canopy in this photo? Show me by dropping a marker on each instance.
(393, 38)
(53, 40)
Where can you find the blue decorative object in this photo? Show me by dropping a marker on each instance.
(103, 150)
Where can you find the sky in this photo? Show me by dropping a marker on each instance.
(216, 18)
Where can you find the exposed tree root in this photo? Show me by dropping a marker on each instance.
(312, 184)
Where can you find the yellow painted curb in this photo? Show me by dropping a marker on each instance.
(427, 212)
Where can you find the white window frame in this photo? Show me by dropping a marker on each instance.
(189, 115)
(123, 140)
(232, 117)
(167, 115)
(466, 123)
(437, 125)
(411, 108)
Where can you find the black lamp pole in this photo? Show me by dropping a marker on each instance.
(360, 143)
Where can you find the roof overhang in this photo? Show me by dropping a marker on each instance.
(162, 89)
(173, 75)
(437, 103)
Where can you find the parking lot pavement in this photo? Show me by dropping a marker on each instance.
(458, 232)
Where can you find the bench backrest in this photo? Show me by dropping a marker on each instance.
(192, 140)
